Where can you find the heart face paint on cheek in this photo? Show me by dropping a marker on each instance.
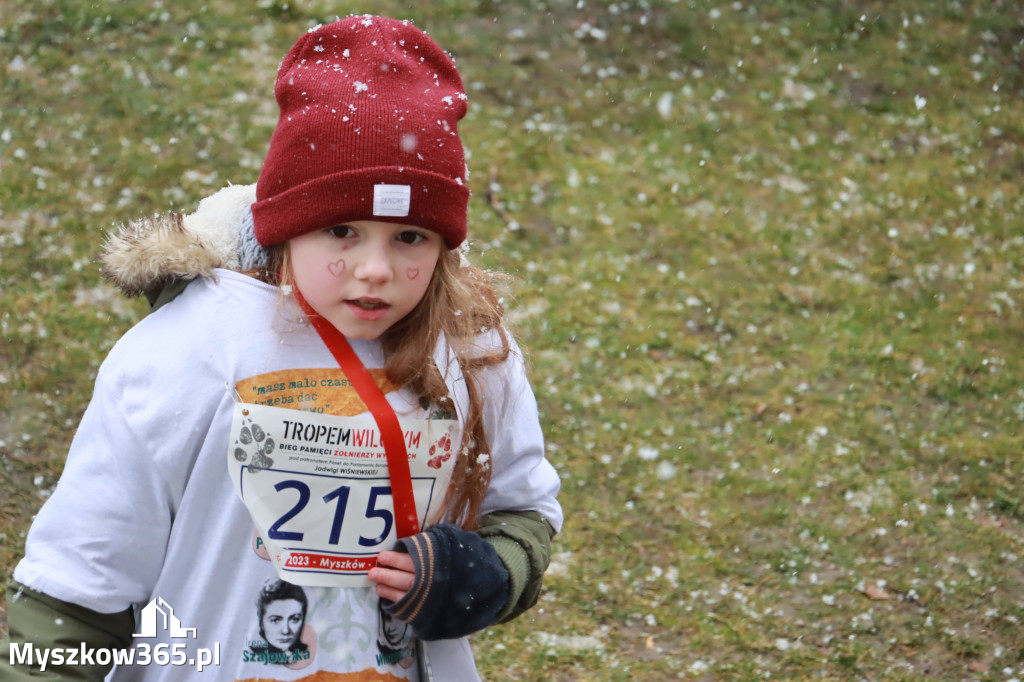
(336, 268)
(412, 273)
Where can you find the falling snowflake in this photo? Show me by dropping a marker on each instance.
(665, 105)
(648, 454)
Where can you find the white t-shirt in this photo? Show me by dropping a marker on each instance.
(146, 514)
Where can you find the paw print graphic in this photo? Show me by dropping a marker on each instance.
(254, 437)
(440, 452)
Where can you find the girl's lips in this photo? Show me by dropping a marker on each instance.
(369, 314)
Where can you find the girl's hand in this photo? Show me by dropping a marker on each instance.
(393, 574)
(450, 584)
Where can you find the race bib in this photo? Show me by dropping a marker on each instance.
(318, 491)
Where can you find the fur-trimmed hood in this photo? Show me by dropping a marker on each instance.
(142, 256)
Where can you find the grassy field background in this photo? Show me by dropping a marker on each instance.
(769, 258)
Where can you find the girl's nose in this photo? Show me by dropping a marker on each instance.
(374, 265)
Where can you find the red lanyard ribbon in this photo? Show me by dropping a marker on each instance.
(406, 522)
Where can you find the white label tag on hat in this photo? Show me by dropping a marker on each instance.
(391, 200)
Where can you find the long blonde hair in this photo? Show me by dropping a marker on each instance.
(461, 303)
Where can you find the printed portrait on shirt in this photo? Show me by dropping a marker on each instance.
(285, 637)
(394, 639)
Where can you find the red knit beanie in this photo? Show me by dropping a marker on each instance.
(367, 131)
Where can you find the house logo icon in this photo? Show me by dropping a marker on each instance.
(158, 614)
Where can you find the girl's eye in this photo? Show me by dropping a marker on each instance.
(340, 231)
(410, 237)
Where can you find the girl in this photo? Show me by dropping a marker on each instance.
(326, 396)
